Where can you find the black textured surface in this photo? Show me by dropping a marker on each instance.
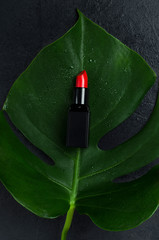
(25, 27)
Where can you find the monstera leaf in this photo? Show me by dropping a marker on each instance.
(81, 179)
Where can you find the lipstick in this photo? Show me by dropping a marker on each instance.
(78, 114)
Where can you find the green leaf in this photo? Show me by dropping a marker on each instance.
(81, 179)
(27, 177)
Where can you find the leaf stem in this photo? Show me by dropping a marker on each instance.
(68, 222)
(73, 195)
(75, 179)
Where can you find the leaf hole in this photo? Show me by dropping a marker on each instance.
(136, 174)
(132, 125)
(40, 154)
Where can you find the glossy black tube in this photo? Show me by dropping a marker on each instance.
(81, 96)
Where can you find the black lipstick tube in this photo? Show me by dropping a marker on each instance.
(79, 114)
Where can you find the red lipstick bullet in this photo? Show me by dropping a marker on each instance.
(78, 115)
(82, 80)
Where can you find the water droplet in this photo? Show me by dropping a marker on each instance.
(115, 91)
(71, 67)
(90, 60)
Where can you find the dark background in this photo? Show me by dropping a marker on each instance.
(28, 25)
